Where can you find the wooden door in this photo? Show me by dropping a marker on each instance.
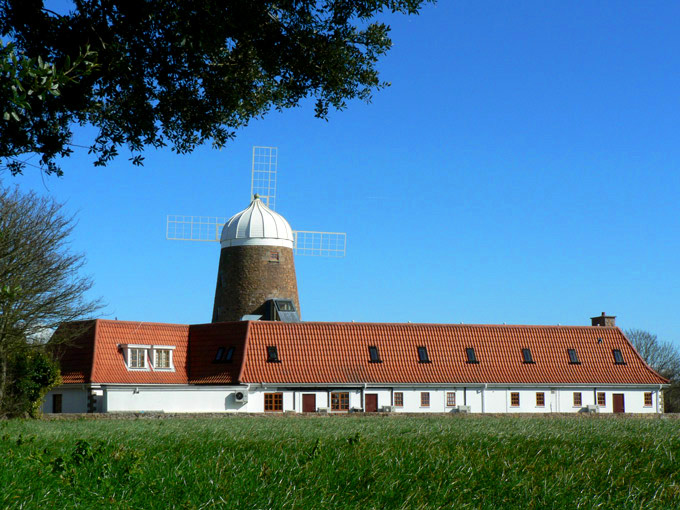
(56, 402)
(617, 400)
(371, 402)
(308, 403)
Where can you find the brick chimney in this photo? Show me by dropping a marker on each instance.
(604, 320)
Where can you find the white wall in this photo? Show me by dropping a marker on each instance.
(196, 399)
(73, 400)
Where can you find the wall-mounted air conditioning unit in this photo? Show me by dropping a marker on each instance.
(388, 409)
(241, 396)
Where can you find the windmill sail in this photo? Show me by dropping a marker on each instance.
(209, 228)
(263, 181)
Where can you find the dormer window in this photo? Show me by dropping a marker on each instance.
(272, 354)
(618, 357)
(137, 358)
(162, 358)
(224, 355)
(422, 355)
(471, 356)
(526, 356)
(573, 358)
(374, 354)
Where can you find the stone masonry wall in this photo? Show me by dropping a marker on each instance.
(248, 276)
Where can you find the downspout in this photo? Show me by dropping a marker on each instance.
(486, 385)
(363, 393)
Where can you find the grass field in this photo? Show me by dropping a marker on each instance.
(341, 462)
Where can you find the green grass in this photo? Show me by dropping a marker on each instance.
(341, 462)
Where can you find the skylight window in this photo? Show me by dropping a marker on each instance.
(618, 357)
(229, 355)
(471, 356)
(526, 356)
(422, 355)
(573, 357)
(272, 354)
(218, 356)
(374, 353)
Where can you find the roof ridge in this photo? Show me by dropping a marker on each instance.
(116, 321)
(438, 324)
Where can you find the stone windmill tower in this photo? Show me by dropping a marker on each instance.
(256, 275)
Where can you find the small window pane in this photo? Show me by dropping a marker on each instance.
(398, 399)
(573, 358)
(230, 354)
(137, 358)
(471, 356)
(526, 355)
(162, 358)
(272, 353)
(450, 399)
(220, 353)
(618, 357)
(514, 399)
(648, 399)
(422, 355)
(577, 399)
(273, 401)
(425, 399)
(601, 399)
(540, 399)
(375, 355)
(340, 401)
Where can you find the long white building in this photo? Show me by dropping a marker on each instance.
(269, 366)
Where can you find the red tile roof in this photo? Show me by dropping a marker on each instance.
(331, 352)
(327, 352)
(95, 356)
(206, 339)
(73, 346)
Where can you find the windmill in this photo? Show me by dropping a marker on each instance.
(263, 183)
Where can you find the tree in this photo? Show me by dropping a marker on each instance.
(40, 287)
(178, 72)
(664, 358)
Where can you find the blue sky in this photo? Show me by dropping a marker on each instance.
(522, 168)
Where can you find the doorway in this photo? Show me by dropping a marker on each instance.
(617, 400)
(371, 402)
(308, 403)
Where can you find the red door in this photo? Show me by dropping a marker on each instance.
(371, 402)
(619, 406)
(308, 403)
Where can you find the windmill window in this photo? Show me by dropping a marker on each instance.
(374, 353)
(526, 356)
(573, 357)
(273, 256)
(272, 354)
(422, 355)
(471, 356)
(618, 357)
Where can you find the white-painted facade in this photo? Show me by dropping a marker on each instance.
(438, 399)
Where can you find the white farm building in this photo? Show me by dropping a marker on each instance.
(257, 356)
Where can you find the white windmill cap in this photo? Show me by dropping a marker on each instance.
(257, 225)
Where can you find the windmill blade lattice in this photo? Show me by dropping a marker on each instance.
(263, 182)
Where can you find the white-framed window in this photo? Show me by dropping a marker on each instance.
(162, 358)
(135, 357)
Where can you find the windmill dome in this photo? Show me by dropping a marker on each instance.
(257, 225)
